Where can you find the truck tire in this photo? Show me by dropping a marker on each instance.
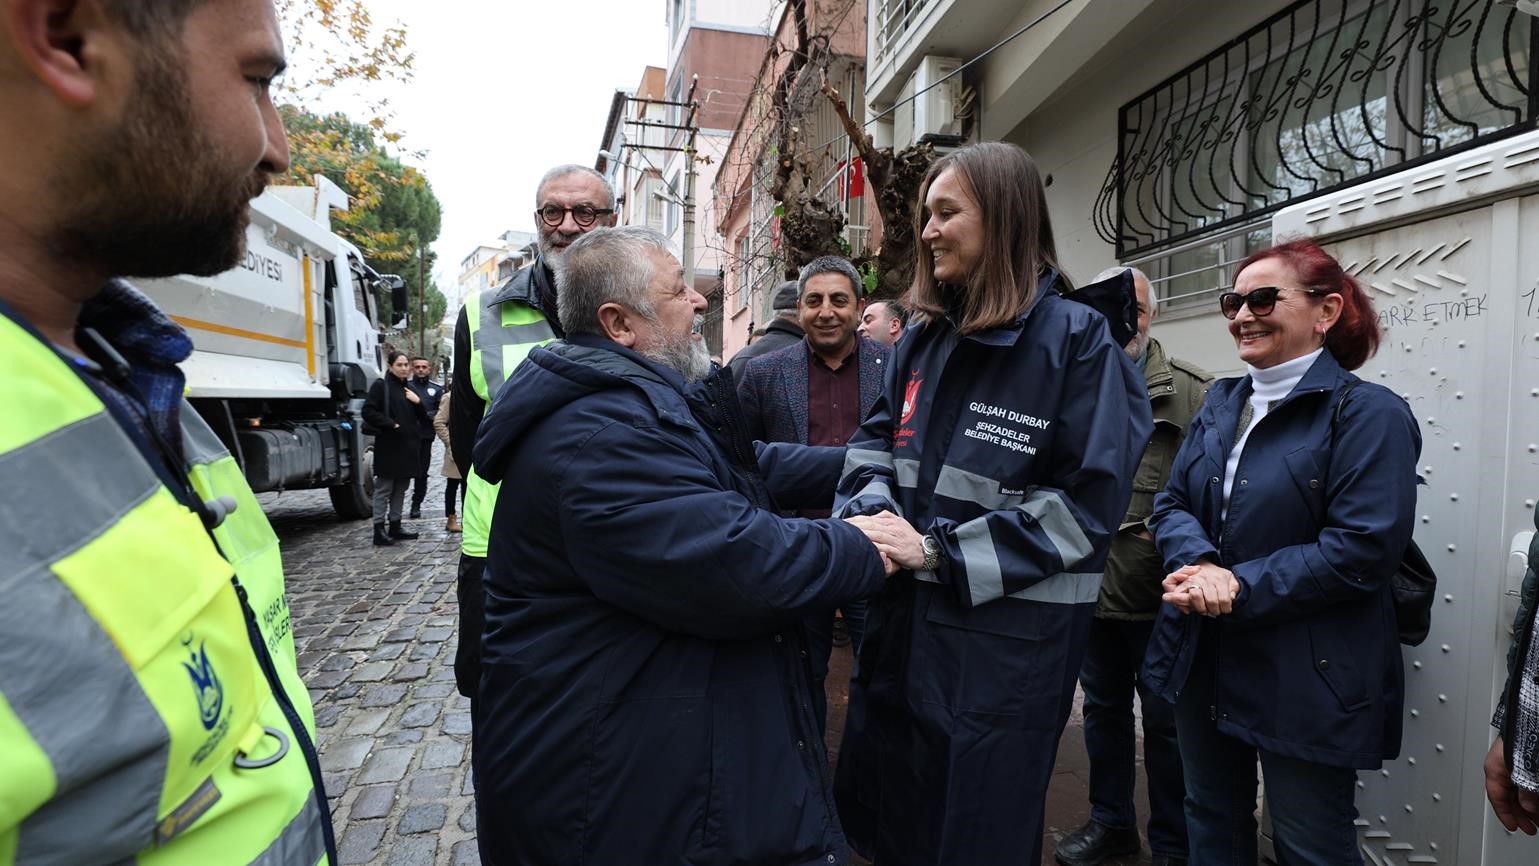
(355, 500)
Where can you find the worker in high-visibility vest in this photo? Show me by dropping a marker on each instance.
(495, 330)
(151, 710)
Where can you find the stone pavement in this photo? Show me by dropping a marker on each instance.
(375, 630)
(375, 627)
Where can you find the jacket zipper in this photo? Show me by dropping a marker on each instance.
(306, 745)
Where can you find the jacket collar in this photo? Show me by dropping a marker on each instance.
(526, 286)
(1157, 372)
(1323, 376)
(663, 387)
(785, 326)
(1007, 335)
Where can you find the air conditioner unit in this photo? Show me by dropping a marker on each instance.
(931, 116)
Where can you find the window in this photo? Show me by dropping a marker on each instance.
(744, 273)
(653, 202)
(673, 210)
(1323, 95)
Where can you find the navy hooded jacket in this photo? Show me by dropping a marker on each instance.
(644, 691)
(1015, 448)
(1308, 664)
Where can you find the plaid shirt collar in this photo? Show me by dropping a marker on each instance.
(152, 344)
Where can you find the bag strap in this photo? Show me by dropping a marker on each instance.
(1336, 415)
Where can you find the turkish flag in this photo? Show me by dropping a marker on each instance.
(857, 179)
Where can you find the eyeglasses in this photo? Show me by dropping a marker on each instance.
(1260, 300)
(553, 214)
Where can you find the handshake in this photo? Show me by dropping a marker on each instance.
(900, 545)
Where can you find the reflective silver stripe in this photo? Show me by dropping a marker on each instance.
(985, 577)
(880, 489)
(60, 673)
(492, 338)
(1055, 518)
(1064, 588)
(906, 473)
(856, 459)
(300, 844)
(960, 484)
(985, 580)
(200, 443)
(1061, 588)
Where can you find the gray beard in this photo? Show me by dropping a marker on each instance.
(688, 358)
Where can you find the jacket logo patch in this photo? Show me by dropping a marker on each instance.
(911, 397)
(205, 683)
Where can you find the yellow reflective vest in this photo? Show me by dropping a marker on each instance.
(151, 709)
(502, 334)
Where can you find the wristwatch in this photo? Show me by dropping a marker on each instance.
(932, 552)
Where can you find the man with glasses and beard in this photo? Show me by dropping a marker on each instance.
(494, 332)
(643, 659)
(133, 556)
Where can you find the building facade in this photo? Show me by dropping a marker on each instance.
(1180, 135)
(746, 214)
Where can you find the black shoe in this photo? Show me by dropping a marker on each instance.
(841, 633)
(381, 539)
(397, 532)
(1095, 843)
(1167, 860)
(416, 512)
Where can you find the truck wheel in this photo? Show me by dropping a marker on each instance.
(355, 500)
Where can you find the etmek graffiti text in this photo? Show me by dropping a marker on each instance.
(1414, 314)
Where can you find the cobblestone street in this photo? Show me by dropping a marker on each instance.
(375, 630)
(374, 627)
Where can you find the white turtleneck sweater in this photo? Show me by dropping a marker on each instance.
(1267, 387)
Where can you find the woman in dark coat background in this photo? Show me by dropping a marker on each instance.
(394, 412)
(1289, 507)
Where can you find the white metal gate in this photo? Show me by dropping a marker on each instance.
(1441, 251)
(1450, 254)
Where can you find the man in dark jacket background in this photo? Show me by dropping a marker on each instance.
(1119, 634)
(815, 392)
(431, 393)
(782, 331)
(643, 695)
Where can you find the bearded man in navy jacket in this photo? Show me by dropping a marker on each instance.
(643, 695)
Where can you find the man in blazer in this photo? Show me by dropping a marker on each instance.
(815, 392)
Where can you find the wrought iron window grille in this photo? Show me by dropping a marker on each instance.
(1323, 95)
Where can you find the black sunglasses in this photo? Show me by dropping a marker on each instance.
(1260, 300)
(583, 215)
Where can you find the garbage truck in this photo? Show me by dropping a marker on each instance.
(286, 345)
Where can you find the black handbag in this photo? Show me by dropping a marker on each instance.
(1414, 584)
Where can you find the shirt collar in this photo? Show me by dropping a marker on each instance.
(135, 326)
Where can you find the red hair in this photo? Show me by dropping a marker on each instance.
(1355, 336)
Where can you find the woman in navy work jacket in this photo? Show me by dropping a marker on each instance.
(1282, 523)
(1005, 444)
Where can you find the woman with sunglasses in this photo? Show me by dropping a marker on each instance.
(1287, 511)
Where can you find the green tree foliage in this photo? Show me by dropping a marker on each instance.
(335, 45)
(392, 213)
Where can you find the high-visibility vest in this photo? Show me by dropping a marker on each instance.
(151, 709)
(500, 339)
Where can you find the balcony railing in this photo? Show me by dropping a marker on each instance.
(1323, 95)
(894, 19)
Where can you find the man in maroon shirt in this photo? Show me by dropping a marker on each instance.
(816, 392)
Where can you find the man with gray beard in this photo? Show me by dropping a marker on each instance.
(494, 332)
(643, 662)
